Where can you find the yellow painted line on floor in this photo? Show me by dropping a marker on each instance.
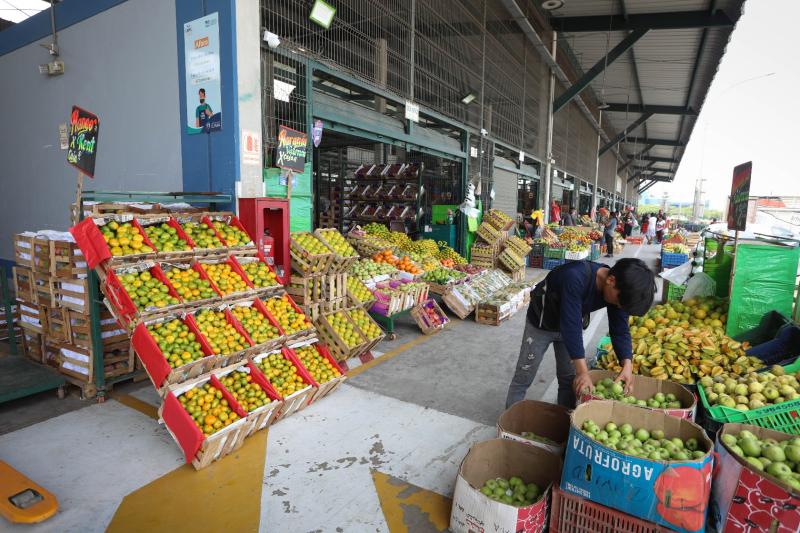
(135, 403)
(225, 496)
(397, 497)
(388, 355)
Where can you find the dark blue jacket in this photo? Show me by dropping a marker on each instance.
(575, 300)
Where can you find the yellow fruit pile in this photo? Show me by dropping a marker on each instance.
(189, 285)
(165, 238)
(366, 324)
(282, 374)
(310, 244)
(245, 390)
(344, 328)
(260, 274)
(319, 367)
(219, 333)
(202, 235)
(233, 236)
(208, 408)
(339, 244)
(359, 291)
(146, 290)
(176, 342)
(288, 318)
(255, 324)
(225, 278)
(124, 239)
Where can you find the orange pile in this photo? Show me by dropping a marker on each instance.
(405, 263)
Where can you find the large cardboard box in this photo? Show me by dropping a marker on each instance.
(747, 499)
(473, 511)
(671, 493)
(540, 418)
(646, 387)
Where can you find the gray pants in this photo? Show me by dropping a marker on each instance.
(535, 342)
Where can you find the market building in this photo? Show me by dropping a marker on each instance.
(269, 225)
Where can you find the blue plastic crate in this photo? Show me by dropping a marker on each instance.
(550, 264)
(594, 252)
(670, 260)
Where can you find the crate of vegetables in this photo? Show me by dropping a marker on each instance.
(172, 350)
(341, 335)
(510, 260)
(204, 419)
(359, 293)
(429, 317)
(168, 238)
(231, 231)
(259, 273)
(325, 372)
(289, 379)
(253, 392)
(227, 277)
(291, 319)
(260, 327)
(310, 256)
(139, 292)
(489, 234)
(344, 254)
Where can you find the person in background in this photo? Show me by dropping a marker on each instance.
(608, 233)
(628, 223)
(651, 229)
(661, 225)
(559, 310)
(568, 219)
(555, 212)
(643, 224)
(576, 221)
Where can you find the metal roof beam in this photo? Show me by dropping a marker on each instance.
(621, 135)
(659, 159)
(641, 171)
(656, 109)
(584, 81)
(647, 186)
(646, 21)
(662, 142)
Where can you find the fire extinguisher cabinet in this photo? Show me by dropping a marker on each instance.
(267, 221)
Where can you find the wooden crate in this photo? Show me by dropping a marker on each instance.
(41, 255)
(313, 289)
(340, 263)
(298, 400)
(16, 329)
(307, 263)
(30, 317)
(33, 346)
(43, 287)
(51, 354)
(424, 322)
(80, 329)
(72, 294)
(66, 260)
(23, 283)
(499, 220)
(55, 323)
(338, 348)
(78, 361)
(371, 343)
(265, 415)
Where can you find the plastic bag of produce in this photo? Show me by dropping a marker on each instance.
(699, 285)
(678, 275)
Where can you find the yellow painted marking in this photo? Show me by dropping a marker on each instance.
(388, 355)
(225, 496)
(135, 403)
(396, 496)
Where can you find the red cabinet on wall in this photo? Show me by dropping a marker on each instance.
(267, 222)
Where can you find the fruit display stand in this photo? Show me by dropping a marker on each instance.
(344, 254)
(260, 417)
(337, 345)
(156, 226)
(429, 317)
(299, 399)
(265, 281)
(122, 304)
(307, 262)
(325, 388)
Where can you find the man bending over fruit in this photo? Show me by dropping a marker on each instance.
(559, 312)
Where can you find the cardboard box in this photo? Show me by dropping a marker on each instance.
(473, 511)
(747, 499)
(672, 493)
(540, 418)
(646, 387)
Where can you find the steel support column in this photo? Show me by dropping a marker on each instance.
(548, 168)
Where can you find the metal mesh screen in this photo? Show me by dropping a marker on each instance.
(290, 111)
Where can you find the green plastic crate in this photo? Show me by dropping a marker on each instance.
(783, 417)
(675, 292)
(554, 253)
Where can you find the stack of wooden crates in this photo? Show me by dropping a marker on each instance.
(493, 249)
(52, 292)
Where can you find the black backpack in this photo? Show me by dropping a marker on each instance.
(545, 306)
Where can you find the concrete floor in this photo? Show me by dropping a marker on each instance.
(380, 454)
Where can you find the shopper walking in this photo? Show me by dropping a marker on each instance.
(628, 228)
(651, 229)
(555, 212)
(608, 233)
(661, 225)
(559, 311)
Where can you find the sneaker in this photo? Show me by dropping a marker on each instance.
(609, 255)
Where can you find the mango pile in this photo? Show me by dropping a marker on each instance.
(232, 235)
(225, 278)
(165, 238)
(219, 333)
(260, 274)
(344, 328)
(282, 374)
(124, 239)
(146, 291)
(318, 366)
(189, 285)
(287, 316)
(245, 390)
(176, 342)
(208, 408)
(365, 323)
(358, 290)
(255, 324)
(682, 342)
(310, 243)
(334, 239)
(202, 235)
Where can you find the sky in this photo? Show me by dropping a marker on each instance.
(751, 111)
(19, 10)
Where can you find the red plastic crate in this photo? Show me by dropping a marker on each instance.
(231, 220)
(328, 387)
(297, 400)
(263, 416)
(94, 248)
(574, 514)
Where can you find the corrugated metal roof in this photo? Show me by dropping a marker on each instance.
(673, 67)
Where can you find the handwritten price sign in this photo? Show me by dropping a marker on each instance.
(82, 146)
(291, 149)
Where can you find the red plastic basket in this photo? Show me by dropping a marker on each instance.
(574, 514)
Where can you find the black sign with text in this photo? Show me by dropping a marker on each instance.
(291, 149)
(82, 147)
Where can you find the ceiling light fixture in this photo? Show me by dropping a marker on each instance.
(468, 98)
(551, 5)
(322, 13)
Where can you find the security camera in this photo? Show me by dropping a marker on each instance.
(273, 41)
(484, 132)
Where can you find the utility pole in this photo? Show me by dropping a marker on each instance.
(697, 208)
